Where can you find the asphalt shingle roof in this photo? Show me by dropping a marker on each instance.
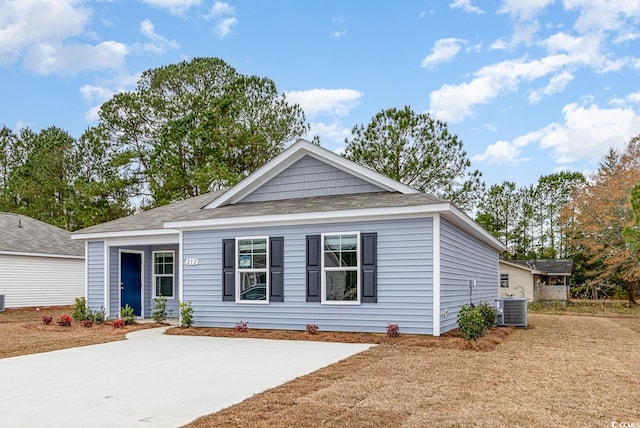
(550, 266)
(314, 204)
(22, 234)
(153, 219)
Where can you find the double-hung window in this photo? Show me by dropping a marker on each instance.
(163, 274)
(341, 268)
(252, 279)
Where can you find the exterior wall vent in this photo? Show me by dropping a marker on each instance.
(1, 302)
(512, 311)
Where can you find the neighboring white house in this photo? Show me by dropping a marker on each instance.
(39, 263)
(544, 279)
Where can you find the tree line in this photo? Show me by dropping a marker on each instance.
(199, 125)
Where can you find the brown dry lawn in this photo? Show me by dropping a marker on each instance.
(22, 332)
(564, 370)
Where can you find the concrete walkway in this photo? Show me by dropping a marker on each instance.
(151, 379)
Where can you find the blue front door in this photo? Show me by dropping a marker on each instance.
(131, 281)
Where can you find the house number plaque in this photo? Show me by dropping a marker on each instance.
(191, 262)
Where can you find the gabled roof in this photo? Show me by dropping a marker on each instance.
(548, 266)
(20, 234)
(512, 263)
(295, 152)
(151, 221)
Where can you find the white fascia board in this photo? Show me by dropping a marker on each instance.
(53, 256)
(311, 217)
(294, 153)
(144, 240)
(125, 234)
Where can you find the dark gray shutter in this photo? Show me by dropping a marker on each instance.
(313, 268)
(276, 262)
(229, 269)
(369, 252)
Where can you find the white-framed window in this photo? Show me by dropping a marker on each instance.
(163, 274)
(341, 268)
(252, 269)
(504, 280)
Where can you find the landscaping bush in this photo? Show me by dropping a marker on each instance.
(127, 315)
(118, 323)
(86, 323)
(79, 311)
(312, 328)
(65, 321)
(241, 327)
(159, 312)
(489, 313)
(471, 322)
(97, 317)
(46, 320)
(393, 330)
(186, 314)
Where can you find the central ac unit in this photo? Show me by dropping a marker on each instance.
(512, 311)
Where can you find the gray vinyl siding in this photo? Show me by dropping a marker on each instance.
(147, 275)
(95, 274)
(310, 177)
(464, 258)
(405, 281)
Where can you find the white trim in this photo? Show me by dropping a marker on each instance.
(153, 274)
(123, 234)
(295, 152)
(265, 270)
(181, 271)
(436, 275)
(149, 240)
(323, 269)
(86, 272)
(55, 256)
(106, 275)
(124, 250)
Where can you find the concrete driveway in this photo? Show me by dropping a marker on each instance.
(151, 379)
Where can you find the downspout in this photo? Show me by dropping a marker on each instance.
(436, 274)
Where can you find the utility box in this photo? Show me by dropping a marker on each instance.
(512, 311)
(1, 302)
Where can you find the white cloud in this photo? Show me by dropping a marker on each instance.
(499, 44)
(556, 84)
(71, 59)
(604, 15)
(335, 101)
(524, 10)
(338, 34)
(158, 44)
(586, 133)
(466, 6)
(224, 16)
(177, 7)
(444, 50)
(92, 93)
(26, 24)
(330, 134)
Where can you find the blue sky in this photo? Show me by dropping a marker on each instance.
(529, 86)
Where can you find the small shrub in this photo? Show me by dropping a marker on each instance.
(241, 327)
(98, 317)
(46, 320)
(86, 323)
(186, 314)
(393, 330)
(127, 315)
(489, 313)
(65, 320)
(159, 312)
(312, 328)
(118, 323)
(79, 311)
(470, 322)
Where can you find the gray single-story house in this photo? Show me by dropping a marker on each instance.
(310, 237)
(39, 263)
